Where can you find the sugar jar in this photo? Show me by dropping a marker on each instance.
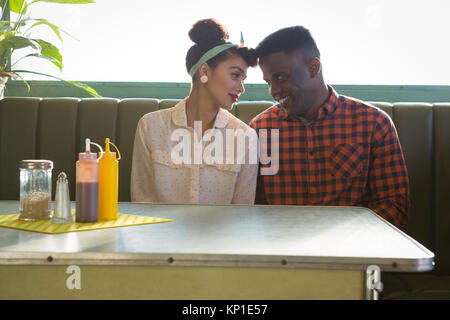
(35, 189)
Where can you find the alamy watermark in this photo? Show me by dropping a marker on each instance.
(74, 280)
(239, 146)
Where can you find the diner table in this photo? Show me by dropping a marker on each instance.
(214, 252)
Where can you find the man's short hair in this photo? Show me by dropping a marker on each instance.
(287, 40)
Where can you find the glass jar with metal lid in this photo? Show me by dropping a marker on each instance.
(35, 189)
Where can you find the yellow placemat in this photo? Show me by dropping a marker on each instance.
(46, 226)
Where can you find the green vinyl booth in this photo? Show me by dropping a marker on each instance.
(55, 129)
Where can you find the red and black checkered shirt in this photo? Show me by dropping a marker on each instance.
(349, 156)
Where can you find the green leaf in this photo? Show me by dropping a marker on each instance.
(19, 76)
(80, 85)
(5, 47)
(51, 59)
(50, 52)
(85, 87)
(51, 25)
(16, 5)
(18, 42)
(24, 8)
(19, 25)
(6, 35)
(67, 1)
(55, 28)
(10, 41)
(5, 26)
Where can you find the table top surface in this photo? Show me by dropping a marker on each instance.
(227, 235)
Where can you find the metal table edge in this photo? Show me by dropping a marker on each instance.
(214, 260)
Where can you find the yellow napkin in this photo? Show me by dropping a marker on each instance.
(46, 226)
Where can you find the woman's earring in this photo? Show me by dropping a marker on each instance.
(204, 79)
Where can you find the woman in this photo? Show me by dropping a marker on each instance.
(180, 154)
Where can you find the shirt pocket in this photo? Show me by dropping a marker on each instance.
(163, 158)
(231, 168)
(345, 161)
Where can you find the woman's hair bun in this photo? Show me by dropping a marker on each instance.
(207, 31)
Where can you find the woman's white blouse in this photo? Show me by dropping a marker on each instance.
(161, 172)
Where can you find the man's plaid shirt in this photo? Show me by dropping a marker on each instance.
(349, 156)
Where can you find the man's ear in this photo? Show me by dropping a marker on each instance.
(314, 67)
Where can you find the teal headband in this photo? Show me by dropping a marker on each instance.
(208, 55)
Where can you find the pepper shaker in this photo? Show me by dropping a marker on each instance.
(35, 189)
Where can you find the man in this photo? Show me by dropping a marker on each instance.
(333, 150)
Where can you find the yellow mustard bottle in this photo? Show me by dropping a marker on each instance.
(108, 183)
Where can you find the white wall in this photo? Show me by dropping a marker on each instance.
(361, 42)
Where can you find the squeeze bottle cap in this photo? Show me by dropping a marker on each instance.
(108, 155)
(88, 155)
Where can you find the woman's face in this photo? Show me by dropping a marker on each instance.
(226, 81)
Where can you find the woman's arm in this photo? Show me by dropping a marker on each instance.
(245, 187)
(142, 175)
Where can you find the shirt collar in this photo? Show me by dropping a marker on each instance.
(180, 119)
(328, 107)
(221, 118)
(179, 114)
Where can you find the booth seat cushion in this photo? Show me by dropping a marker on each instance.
(441, 187)
(168, 103)
(246, 111)
(55, 129)
(57, 136)
(18, 139)
(414, 123)
(129, 112)
(415, 286)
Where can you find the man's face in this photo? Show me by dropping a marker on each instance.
(290, 81)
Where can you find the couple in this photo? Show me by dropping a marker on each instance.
(333, 150)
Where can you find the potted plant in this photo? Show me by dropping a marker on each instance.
(15, 35)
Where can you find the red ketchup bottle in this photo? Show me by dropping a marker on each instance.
(86, 194)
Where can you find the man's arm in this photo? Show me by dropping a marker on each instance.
(388, 184)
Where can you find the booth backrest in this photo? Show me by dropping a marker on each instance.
(55, 129)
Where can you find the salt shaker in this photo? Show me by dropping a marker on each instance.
(62, 201)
